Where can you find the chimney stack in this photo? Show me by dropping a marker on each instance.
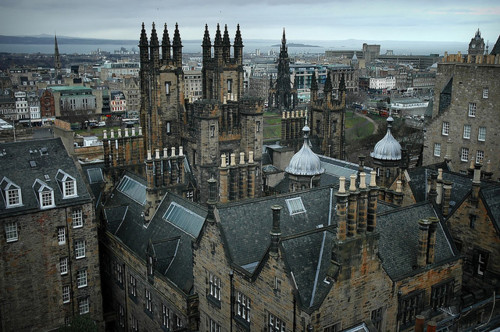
(431, 251)
(446, 197)
(439, 187)
(423, 236)
(275, 231)
(352, 212)
(372, 203)
(433, 192)
(398, 195)
(362, 203)
(476, 182)
(419, 323)
(341, 210)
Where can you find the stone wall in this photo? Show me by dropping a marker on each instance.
(467, 86)
(32, 282)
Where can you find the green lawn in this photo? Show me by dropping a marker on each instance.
(272, 132)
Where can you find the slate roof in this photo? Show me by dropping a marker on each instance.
(26, 161)
(398, 244)
(461, 184)
(171, 244)
(95, 178)
(491, 197)
(306, 237)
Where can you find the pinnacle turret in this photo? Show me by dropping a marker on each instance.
(165, 44)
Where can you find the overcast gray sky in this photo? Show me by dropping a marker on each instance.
(424, 20)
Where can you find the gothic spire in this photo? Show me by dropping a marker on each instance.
(342, 83)
(177, 37)
(144, 38)
(226, 45)
(165, 44)
(154, 37)
(328, 83)
(225, 40)
(314, 82)
(206, 38)
(237, 39)
(283, 39)
(57, 59)
(218, 38)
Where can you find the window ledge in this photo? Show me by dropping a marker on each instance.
(242, 322)
(212, 300)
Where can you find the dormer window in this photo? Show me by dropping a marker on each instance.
(67, 183)
(44, 194)
(11, 193)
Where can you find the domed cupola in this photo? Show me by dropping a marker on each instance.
(304, 170)
(305, 161)
(388, 148)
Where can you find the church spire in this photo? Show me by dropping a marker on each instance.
(57, 59)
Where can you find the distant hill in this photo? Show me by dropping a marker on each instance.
(49, 40)
(295, 45)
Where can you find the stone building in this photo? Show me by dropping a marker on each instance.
(282, 95)
(325, 260)
(465, 118)
(327, 118)
(50, 270)
(223, 123)
(476, 45)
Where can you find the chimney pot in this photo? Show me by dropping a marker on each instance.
(223, 160)
(157, 154)
(373, 178)
(112, 133)
(165, 152)
(233, 159)
(399, 186)
(126, 132)
(105, 134)
(250, 157)
(341, 185)
(119, 132)
(181, 153)
(149, 154)
(242, 158)
(362, 180)
(173, 151)
(140, 131)
(133, 131)
(477, 174)
(352, 186)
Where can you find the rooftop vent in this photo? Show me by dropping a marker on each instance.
(32, 163)
(44, 151)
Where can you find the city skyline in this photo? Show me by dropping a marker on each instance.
(261, 19)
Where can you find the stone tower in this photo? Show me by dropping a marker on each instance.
(476, 45)
(222, 76)
(327, 119)
(162, 89)
(223, 123)
(281, 94)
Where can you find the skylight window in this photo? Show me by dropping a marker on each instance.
(133, 189)
(295, 206)
(95, 175)
(185, 219)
